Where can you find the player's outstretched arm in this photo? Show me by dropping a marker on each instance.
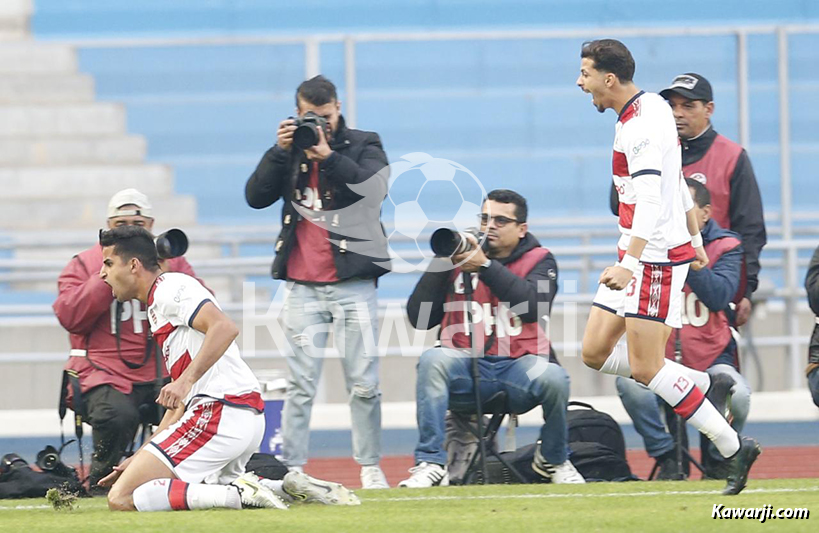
(219, 332)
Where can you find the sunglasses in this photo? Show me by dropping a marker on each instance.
(500, 220)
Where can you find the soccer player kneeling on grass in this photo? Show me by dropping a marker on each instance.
(641, 295)
(214, 423)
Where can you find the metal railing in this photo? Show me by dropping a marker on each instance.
(312, 65)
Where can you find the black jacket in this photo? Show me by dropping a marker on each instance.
(745, 212)
(508, 287)
(812, 286)
(356, 173)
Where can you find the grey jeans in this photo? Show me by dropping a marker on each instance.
(349, 310)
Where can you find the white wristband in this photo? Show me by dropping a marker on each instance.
(630, 262)
(696, 240)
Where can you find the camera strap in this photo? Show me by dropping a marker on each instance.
(72, 379)
(117, 333)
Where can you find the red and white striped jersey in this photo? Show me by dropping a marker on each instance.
(173, 302)
(647, 147)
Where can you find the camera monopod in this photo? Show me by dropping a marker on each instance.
(476, 373)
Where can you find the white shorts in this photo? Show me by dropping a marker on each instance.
(211, 443)
(654, 293)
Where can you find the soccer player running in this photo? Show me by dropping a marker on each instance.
(641, 295)
(214, 422)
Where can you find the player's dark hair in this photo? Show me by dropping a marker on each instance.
(505, 196)
(317, 90)
(132, 242)
(701, 195)
(610, 55)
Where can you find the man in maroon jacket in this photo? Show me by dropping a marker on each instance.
(112, 353)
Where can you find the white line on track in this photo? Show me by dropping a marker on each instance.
(607, 495)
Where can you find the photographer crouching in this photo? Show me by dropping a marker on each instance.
(113, 362)
(332, 180)
(514, 282)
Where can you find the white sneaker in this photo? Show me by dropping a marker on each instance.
(254, 494)
(562, 473)
(426, 475)
(372, 477)
(295, 469)
(304, 488)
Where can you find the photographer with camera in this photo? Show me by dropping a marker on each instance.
(113, 362)
(514, 282)
(332, 180)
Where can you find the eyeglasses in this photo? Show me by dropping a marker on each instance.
(500, 220)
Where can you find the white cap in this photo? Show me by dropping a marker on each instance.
(129, 197)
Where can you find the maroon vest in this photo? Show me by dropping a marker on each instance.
(705, 333)
(500, 331)
(714, 171)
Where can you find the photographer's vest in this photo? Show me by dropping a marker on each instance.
(705, 334)
(715, 170)
(498, 329)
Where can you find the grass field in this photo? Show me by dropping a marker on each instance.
(638, 506)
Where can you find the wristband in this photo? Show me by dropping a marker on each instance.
(630, 262)
(696, 240)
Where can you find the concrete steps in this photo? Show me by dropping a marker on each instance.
(45, 212)
(73, 120)
(32, 57)
(84, 182)
(14, 16)
(46, 88)
(109, 150)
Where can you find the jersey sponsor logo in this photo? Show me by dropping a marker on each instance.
(178, 296)
(641, 144)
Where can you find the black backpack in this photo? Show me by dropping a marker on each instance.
(597, 445)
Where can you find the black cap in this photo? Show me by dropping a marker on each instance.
(691, 86)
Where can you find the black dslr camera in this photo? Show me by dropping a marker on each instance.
(446, 242)
(307, 130)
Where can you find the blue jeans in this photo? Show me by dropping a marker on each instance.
(813, 385)
(349, 310)
(643, 406)
(445, 381)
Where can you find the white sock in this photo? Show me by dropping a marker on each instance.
(174, 494)
(618, 365)
(617, 362)
(701, 379)
(277, 486)
(688, 401)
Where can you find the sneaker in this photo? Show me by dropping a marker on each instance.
(719, 393)
(304, 488)
(254, 494)
(426, 475)
(741, 463)
(669, 470)
(562, 473)
(372, 477)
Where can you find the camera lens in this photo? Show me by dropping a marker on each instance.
(48, 461)
(305, 136)
(446, 243)
(172, 243)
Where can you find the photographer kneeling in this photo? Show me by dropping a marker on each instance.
(515, 280)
